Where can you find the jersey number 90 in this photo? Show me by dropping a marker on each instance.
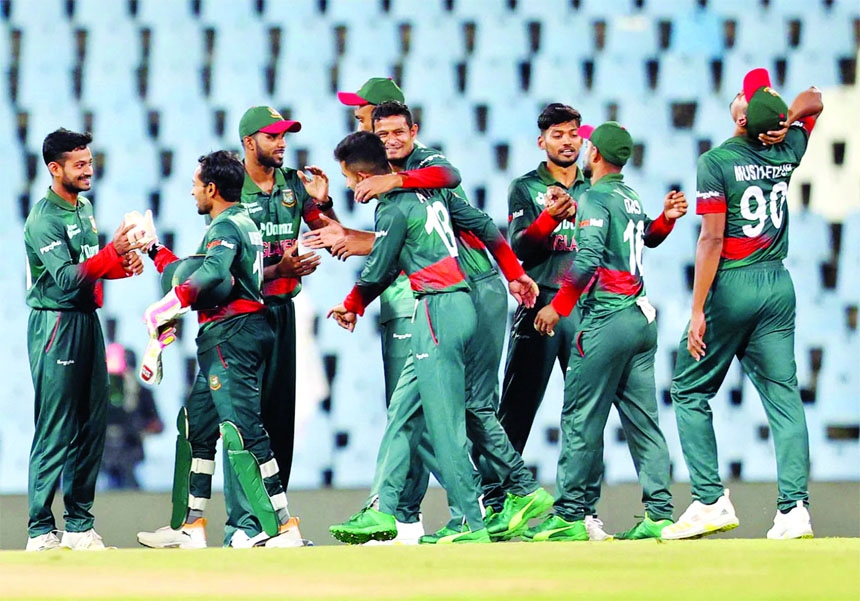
(763, 209)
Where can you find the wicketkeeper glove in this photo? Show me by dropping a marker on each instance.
(162, 312)
(150, 368)
(143, 232)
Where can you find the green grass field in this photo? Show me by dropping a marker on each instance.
(724, 570)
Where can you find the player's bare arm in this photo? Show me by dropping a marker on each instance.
(343, 242)
(708, 250)
(806, 104)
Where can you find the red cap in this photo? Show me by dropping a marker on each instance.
(351, 99)
(754, 80)
(281, 126)
(585, 131)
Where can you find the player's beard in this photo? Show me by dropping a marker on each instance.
(74, 187)
(564, 164)
(269, 160)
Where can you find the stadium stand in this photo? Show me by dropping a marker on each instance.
(160, 82)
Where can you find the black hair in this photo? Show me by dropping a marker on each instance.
(59, 142)
(363, 151)
(557, 113)
(392, 108)
(224, 169)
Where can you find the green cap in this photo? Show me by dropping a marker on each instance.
(267, 120)
(375, 90)
(765, 112)
(613, 141)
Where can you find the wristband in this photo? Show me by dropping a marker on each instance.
(325, 206)
(152, 252)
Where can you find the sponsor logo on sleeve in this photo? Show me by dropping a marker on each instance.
(593, 222)
(517, 214)
(224, 243)
(50, 247)
(381, 233)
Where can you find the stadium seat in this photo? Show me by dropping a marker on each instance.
(239, 59)
(427, 35)
(175, 65)
(631, 38)
(696, 33)
(566, 38)
(500, 38)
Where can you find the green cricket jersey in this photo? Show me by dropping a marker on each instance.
(612, 229)
(546, 258)
(59, 238)
(279, 216)
(749, 183)
(415, 234)
(234, 248)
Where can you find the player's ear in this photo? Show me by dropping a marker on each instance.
(541, 142)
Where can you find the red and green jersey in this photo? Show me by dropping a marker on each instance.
(612, 229)
(234, 248)
(64, 263)
(427, 168)
(544, 245)
(279, 216)
(415, 235)
(473, 255)
(749, 183)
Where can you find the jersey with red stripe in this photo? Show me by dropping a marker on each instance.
(234, 248)
(473, 255)
(279, 216)
(611, 231)
(546, 258)
(749, 183)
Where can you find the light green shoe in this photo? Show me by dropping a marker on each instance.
(517, 512)
(366, 525)
(647, 528)
(466, 536)
(556, 528)
(432, 539)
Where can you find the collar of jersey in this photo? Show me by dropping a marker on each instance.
(547, 178)
(55, 199)
(250, 187)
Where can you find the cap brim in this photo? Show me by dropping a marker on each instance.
(351, 99)
(282, 126)
(585, 131)
(755, 80)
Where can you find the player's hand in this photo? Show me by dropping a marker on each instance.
(559, 204)
(120, 239)
(546, 320)
(696, 335)
(325, 237)
(674, 205)
(524, 290)
(144, 229)
(294, 265)
(132, 263)
(345, 319)
(317, 184)
(375, 185)
(774, 136)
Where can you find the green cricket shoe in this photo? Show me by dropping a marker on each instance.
(432, 539)
(555, 528)
(515, 515)
(647, 528)
(366, 525)
(466, 537)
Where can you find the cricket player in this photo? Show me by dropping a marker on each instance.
(65, 269)
(392, 122)
(744, 307)
(612, 358)
(234, 343)
(417, 237)
(278, 199)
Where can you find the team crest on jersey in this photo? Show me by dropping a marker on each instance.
(93, 224)
(288, 199)
(214, 382)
